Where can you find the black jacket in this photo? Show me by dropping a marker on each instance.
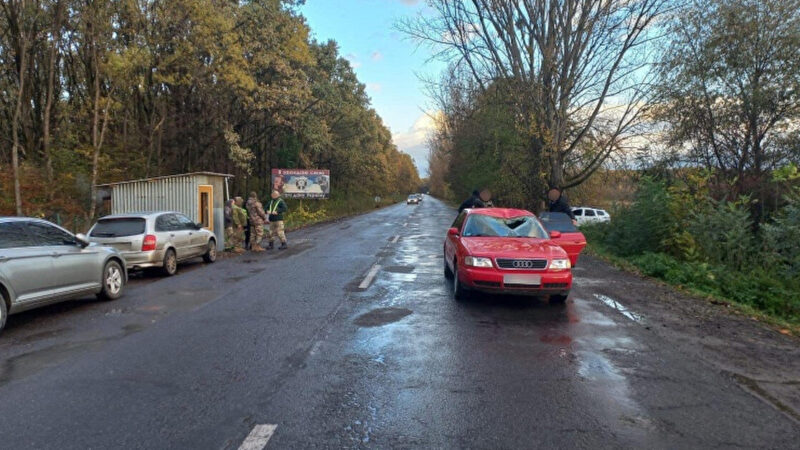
(276, 209)
(562, 206)
(473, 202)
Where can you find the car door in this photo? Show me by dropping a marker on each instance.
(451, 242)
(25, 265)
(178, 236)
(74, 268)
(590, 215)
(197, 240)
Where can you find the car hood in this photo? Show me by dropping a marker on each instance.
(499, 247)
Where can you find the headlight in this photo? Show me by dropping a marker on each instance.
(475, 261)
(560, 264)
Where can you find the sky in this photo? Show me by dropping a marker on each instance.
(385, 61)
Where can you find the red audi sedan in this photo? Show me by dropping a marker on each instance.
(500, 250)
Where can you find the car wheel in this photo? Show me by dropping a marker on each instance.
(560, 299)
(170, 263)
(113, 281)
(3, 311)
(211, 252)
(459, 291)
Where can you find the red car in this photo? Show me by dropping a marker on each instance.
(564, 233)
(499, 250)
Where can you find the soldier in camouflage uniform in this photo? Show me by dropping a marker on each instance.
(239, 222)
(257, 220)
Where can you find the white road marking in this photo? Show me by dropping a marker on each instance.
(395, 239)
(258, 437)
(405, 224)
(370, 276)
(616, 305)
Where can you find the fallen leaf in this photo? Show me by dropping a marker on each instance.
(785, 331)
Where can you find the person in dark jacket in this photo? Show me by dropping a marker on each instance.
(558, 203)
(478, 199)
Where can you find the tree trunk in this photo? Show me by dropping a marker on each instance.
(23, 46)
(49, 102)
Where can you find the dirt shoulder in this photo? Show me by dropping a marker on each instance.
(761, 360)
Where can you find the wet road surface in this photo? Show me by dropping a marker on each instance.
(351, 340)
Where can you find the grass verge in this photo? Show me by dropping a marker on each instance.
(751, 295)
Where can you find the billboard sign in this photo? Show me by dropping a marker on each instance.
(302, 183)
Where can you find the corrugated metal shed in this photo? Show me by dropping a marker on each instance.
(182, 193)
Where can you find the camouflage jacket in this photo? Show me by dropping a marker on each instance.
(239, 216)
(256, 211)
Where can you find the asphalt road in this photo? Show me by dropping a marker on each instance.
(351, 339)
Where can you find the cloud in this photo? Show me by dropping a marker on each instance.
(377, 56)
(414, 141)
(353, 58)
(374, 87)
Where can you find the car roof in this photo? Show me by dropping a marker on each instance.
(141, 214)
(21, 219)
(504, 213)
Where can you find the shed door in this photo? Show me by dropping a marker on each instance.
(206, 193)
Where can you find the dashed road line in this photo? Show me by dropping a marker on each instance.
(370, 276)
(258, 437)
(395, 239)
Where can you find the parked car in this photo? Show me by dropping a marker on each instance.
(42, 263)
(586, 215)
(160, 239)
(564, 233)
(412, 200)
(420, 197)
(501, 250)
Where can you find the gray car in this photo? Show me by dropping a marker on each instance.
(159, 239)
(42, 263)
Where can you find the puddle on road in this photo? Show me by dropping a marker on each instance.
(381, 316)
(399, 269)
(619, 307)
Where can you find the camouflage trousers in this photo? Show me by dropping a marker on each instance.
(256, 233)
(276, 229)
(234, 238)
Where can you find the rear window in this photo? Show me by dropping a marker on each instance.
(553, 221)
(107, 228)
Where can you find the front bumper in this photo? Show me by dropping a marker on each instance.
(491, 280)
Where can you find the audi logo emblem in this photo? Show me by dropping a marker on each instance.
(523, 264)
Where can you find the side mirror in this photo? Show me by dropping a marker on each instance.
(82, 240)
(198, 226)
(555, 234)
(452, 231)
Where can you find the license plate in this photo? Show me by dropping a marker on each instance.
(527, 280)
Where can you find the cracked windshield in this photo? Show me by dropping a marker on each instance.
(399, 224)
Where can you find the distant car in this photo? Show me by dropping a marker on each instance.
(501, 250)
(160, 239)
(42, 263)
(564, 233)
(420, 197)
(412, 200)
(586, 215)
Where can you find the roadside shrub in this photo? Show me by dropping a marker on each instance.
(644, 225)
(782, 241)
(723, 231)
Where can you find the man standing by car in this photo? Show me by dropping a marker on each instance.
(478, 199)
(277, 207)
(239, 222)
(257, 219)
(558, 203)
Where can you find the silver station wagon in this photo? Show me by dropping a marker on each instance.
(160, 239)
(42, 263)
